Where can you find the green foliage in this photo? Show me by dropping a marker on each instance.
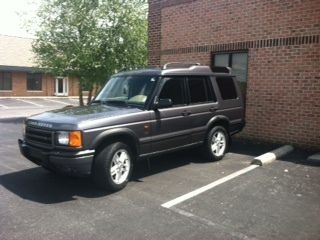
(91, 39)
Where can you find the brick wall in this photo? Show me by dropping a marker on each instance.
(283, 42)
(19, 86)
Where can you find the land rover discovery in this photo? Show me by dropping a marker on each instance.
(138, 114)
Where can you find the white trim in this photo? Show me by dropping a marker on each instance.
(5, 90)
(65, 86)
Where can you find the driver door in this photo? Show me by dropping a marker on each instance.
(171, 127)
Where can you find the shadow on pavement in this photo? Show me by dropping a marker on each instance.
(41, 186)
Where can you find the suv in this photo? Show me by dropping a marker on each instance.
(138, 114)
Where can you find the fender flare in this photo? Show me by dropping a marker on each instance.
(115, 132)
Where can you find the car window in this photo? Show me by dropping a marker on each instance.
(200, 90)
(173, 89)
(128, 90)
(227, 88)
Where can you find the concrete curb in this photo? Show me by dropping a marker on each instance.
(271, 156)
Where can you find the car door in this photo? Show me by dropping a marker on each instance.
(202, 105)
(171, 126)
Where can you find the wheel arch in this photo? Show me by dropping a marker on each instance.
(124, 135)
(219, 121)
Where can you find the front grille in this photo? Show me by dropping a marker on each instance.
(39, 136)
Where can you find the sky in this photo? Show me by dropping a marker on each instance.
(13, 14)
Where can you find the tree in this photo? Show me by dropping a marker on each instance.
(91, 39)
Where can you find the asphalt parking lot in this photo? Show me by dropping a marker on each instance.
(277, 201)
(22, 107)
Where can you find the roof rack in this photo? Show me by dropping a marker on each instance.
(179, 65)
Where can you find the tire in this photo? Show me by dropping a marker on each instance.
(217, 143)
(113, 166)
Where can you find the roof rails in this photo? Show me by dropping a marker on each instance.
(179, 65)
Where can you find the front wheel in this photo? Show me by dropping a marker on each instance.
(113, 167)
(217, 143)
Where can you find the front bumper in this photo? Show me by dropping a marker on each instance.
(75, 163)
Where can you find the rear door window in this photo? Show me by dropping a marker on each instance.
(200, 90)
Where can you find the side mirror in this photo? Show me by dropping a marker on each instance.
(163, 103)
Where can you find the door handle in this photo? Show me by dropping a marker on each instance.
(186, 113)
(213, 109)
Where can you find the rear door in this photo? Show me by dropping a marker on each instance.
(172, 126)
(202, 105)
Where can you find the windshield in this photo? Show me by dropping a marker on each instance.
(127, 90)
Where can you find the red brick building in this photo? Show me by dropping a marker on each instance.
(272, 46)
(18, 77)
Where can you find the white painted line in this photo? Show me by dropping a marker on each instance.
(56, 101)
(3, 106)
(36, 104)
(207, 187)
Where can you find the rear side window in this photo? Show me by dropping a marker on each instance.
(174, 89)
(227, 88)
(200, 90)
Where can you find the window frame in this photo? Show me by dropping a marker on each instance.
(33, 78)
(2, 78)
(231, 53)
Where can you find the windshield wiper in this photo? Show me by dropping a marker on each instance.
(99, 101)
(122, 102)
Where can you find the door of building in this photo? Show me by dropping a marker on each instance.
(61, 88)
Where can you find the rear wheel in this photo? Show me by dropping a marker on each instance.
(217, 143)
(113, 166)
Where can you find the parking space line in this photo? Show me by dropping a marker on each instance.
(205, 188)
(3, 106)
(47, 99)
(36, 104)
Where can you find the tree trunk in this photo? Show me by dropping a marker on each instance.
(80, 93)
(90, 94)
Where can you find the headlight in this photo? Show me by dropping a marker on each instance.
(71, 139)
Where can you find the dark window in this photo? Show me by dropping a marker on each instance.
(34, 82)
(238, 62)
(199, 90)
(5, 81)
(174, 89)
(227, 88)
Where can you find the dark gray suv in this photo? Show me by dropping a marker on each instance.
(138, 114)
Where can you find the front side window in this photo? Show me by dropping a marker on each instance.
(128, 90)
(174, 90)
(34, 81)
(5, 81)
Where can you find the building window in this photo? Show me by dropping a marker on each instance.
(34, 82)
(5, 81)
(238, 62)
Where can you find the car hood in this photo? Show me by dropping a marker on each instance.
(72, 118)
